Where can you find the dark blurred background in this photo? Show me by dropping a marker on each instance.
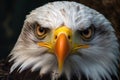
(13, 12)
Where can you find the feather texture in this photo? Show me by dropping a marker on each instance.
(97, 62)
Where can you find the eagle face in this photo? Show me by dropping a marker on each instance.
(67, 38)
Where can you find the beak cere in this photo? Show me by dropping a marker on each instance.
(62, 49)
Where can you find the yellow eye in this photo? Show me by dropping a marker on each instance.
(87, 33)
(40, 31)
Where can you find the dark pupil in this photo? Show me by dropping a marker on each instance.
(86, 32)
(41, 29)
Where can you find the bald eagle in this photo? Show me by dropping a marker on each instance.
(66, 39)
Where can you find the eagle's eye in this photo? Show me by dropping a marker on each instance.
(40, 31)
(87, 33)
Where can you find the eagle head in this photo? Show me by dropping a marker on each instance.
(67, 38)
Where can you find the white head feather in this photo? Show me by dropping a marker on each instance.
(96, 62)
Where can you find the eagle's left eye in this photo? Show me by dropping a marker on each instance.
(40, 31)
(87, 33)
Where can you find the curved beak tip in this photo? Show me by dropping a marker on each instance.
(61, 50)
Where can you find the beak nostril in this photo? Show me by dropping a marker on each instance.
(69, 37)
(56, 37)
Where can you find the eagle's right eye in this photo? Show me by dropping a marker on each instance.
(41, 32)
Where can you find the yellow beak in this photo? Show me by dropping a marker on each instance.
(62, 49)
(62, 45)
